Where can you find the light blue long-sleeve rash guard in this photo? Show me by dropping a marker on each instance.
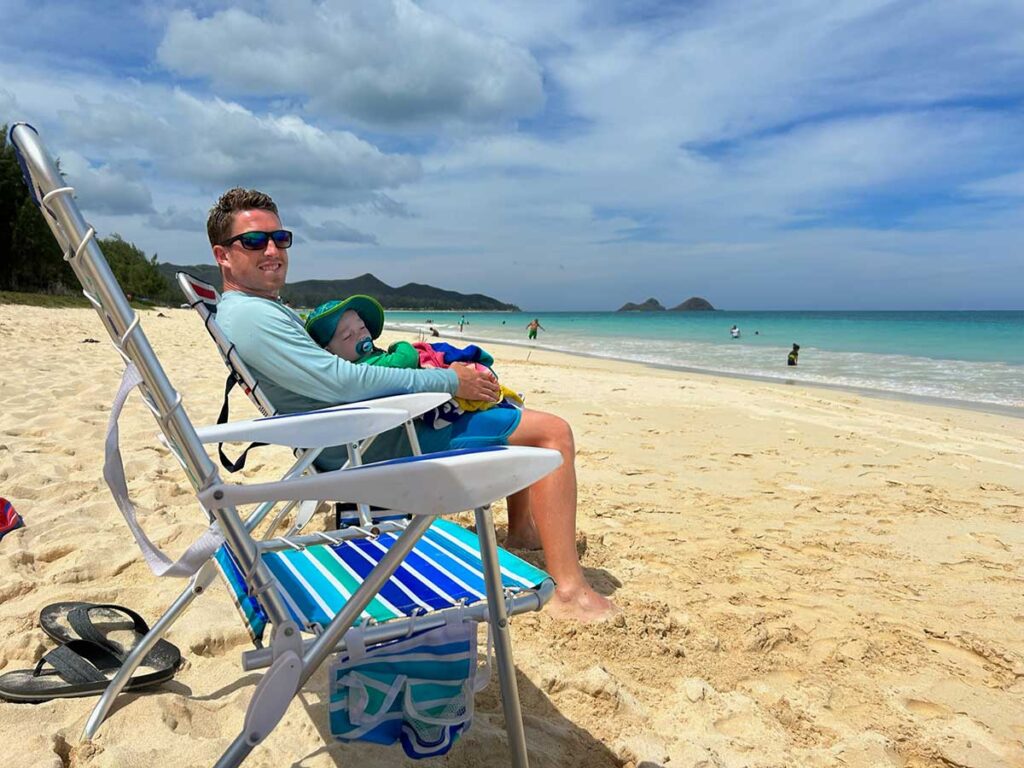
(296, 374)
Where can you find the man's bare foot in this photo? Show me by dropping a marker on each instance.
(582, 604)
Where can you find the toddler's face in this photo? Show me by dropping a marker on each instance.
(350, 330)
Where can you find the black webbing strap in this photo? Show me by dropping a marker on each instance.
(239, 463)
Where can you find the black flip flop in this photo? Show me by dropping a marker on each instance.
(114, 627)
(76, 668)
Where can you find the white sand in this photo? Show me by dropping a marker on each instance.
(808, 577)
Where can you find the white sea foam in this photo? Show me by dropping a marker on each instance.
(983, 383)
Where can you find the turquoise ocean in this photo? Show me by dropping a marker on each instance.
(973, 358)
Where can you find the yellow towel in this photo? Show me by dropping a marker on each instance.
(483, 405)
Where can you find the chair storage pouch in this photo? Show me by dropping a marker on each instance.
(417, 690)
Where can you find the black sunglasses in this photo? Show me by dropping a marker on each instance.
(257, 241)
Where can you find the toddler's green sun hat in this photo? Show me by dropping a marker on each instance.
(323, 321)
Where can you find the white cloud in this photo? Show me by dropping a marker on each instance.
(8, 107)
(387, 64)
(729, 69)
(341, 233)
(331, 230)
(105, 189)
(174, 219)
(388, 206)
(1005, 185)
(218, 144)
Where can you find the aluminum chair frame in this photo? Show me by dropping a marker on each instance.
(291, 662)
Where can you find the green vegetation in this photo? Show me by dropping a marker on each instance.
(31, 261)
(49, 300)
(61, 300)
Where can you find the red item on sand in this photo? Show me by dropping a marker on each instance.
(9, 519)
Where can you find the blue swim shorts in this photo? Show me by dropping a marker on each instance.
(476, 429)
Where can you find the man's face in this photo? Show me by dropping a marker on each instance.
(350, 330)
(260, 273)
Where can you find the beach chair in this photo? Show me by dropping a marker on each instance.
(380, 579)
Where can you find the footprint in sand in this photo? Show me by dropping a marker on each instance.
(962, 657)
(990, 540)
(599, 684)
(927, 709)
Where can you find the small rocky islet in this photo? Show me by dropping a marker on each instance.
(692, 304)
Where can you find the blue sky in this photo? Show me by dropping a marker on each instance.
(558, 155)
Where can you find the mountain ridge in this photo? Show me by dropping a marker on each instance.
(310, 293)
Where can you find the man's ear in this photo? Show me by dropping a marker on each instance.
(220, 255)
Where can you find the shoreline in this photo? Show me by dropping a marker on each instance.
(881, 394)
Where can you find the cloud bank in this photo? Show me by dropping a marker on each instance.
(577, 155)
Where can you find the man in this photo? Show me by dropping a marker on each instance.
(251, 249)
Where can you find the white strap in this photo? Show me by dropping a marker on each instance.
(113, 472)
(482, 674)
(359, 697)
(479, 675)
(452, 718)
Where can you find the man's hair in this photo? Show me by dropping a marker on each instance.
(222, 214)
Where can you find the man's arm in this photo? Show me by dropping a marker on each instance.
(271, 339)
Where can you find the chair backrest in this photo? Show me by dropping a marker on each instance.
(204, 299)
(78, 240)
(99, 285)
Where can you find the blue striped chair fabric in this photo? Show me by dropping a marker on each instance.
(444, 570)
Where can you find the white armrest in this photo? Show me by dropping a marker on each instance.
(433, 484)
(414, 404)
(312, 429)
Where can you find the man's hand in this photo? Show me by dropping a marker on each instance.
(474, 384)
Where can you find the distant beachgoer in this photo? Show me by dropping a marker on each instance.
(462, 322)
(757, 333)
(433, 331)
(793, 355)
(735, 331)
(532, 327)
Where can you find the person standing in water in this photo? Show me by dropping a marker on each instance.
(793, 355)
(735, 331)
(532, 327)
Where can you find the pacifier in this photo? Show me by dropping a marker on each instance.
(364, 346)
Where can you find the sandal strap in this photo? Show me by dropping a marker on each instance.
(79, 620)
(71, 664)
